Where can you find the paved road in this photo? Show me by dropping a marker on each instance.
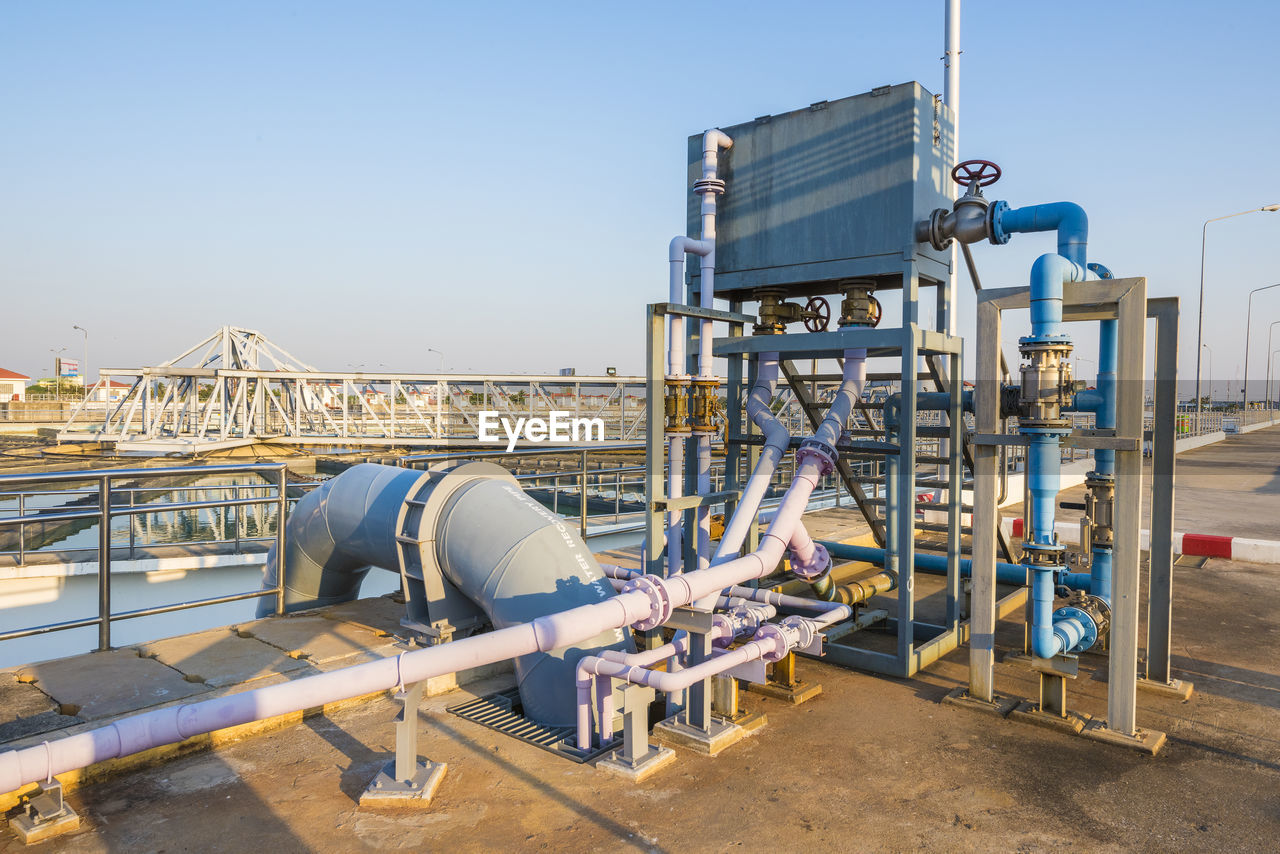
(1231, 488)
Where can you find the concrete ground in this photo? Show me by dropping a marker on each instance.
(1230, 488)
(872, 763)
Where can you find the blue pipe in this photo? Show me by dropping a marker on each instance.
(925, 400)
(1104, 461)
(1006, 573)
(1044, 462)
(1067, 218)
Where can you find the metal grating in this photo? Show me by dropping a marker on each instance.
(503, 713)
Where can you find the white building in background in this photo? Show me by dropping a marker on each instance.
(13, 386)
(109, 391)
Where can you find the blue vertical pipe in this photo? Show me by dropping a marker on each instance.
(1044, 455)
(1104, 461)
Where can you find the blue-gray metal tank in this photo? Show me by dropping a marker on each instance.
(503, 551)
(829, 192)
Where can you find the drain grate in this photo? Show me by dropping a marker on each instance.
(503, 713)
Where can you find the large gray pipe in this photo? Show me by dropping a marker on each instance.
(503, 550)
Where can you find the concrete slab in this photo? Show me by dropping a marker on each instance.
(386, 792)
(103, 684)
(999, 706)
(722, 734)
(26, 710)
(1147, 741)
(380, 613)
(320, 640)
(651, 763)
(221, 657)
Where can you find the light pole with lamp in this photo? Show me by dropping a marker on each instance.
(1080, 359)
(438, 353)
(84, 368)
(57, 378)
(1204, 232)
(1270, 329)
(1244, 395)
(1270, 364)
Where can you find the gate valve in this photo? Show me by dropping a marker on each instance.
(970, 218)
(817, 314)
(973, 174)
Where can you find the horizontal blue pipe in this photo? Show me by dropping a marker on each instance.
(1006, 573)
(1086, 400)
(926, 400)
(1066, 218)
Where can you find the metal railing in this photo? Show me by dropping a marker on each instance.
(105, 511)
(231, 527)
(580, 475)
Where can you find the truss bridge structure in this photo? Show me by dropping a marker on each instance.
(237, 388)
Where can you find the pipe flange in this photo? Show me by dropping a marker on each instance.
(817, 566)
(1085, 619)
(1041, 556)
(1093, 613)
(660, 606)
(728, 626)
(805, 632)
(933, 231)
(1059, 343)
(779, 636)
(995, 233)
(708, 185)
(819, 451)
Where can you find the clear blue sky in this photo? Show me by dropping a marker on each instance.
(361, 181)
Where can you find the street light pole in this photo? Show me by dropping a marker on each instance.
(1270, 364)
(440, 354)
(1080, 359)
(1270, 329)
(1204, 232)
(1247, 325)
(84, 367)
(57, 379)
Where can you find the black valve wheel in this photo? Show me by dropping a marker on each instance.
(975, 173)
(817, 314)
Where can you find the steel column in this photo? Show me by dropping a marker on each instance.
(1163, 435)
(1122, 679)
(982, 620)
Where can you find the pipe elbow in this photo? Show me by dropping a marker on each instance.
(681, 246)
(715, 139)
(712, 141)
(1067, 218)
(1046, 642)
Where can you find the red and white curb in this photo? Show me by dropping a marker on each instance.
(1203, 545)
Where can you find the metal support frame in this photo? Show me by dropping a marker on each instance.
(1124, 300)
(917, 645)
(1158, 674)
(405, 780)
